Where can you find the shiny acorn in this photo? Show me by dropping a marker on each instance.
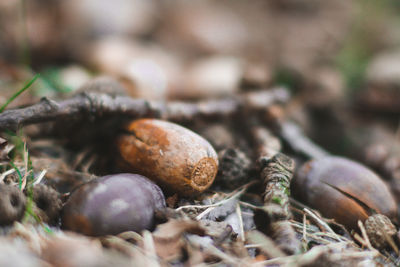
(343, 190)
(177, 159)
(113, 204)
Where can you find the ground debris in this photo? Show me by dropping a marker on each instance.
(5, 148)
(270, 84)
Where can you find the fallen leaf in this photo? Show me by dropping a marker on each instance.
(168, 237)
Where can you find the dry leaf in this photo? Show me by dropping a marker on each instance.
(168, 237)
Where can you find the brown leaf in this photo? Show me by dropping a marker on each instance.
(266, 245)
(168, 237)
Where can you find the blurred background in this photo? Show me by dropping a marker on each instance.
(340, 59)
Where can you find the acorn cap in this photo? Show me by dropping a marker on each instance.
(379, 229)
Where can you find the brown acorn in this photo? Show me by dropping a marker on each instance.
(12, 204)
(343, 190)
(48, 202)
(177, 159)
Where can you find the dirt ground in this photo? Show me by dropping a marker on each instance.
(269, 129)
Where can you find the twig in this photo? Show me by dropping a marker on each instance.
(97, 105)
(239, 214)
(316, 235)
(211, 205)
(26, 164)
(276, 173)
(40, 177)
(364, 235)
(267, 144)
(305, 228)
(360, 239)
(323, 224)
(251, 206)
(235, 194)
(4, 174)
(201, 215)
(311, 256)
(292, 134)
(222, 202)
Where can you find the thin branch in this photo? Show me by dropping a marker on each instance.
(97, 105)
(276, 173)
(293, 135)
(323, 224)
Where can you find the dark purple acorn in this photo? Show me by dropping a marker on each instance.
(113, 204)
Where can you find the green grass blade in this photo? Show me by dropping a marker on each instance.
(11, 99)
(19, 174)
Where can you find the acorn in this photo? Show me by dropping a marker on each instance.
(113, 204)
(12, 204)
(343, 190)
(48, 202)
(177, 159)
(379, 229)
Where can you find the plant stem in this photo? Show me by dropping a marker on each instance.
(19, 174)
(24, 54)
(19, 92)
